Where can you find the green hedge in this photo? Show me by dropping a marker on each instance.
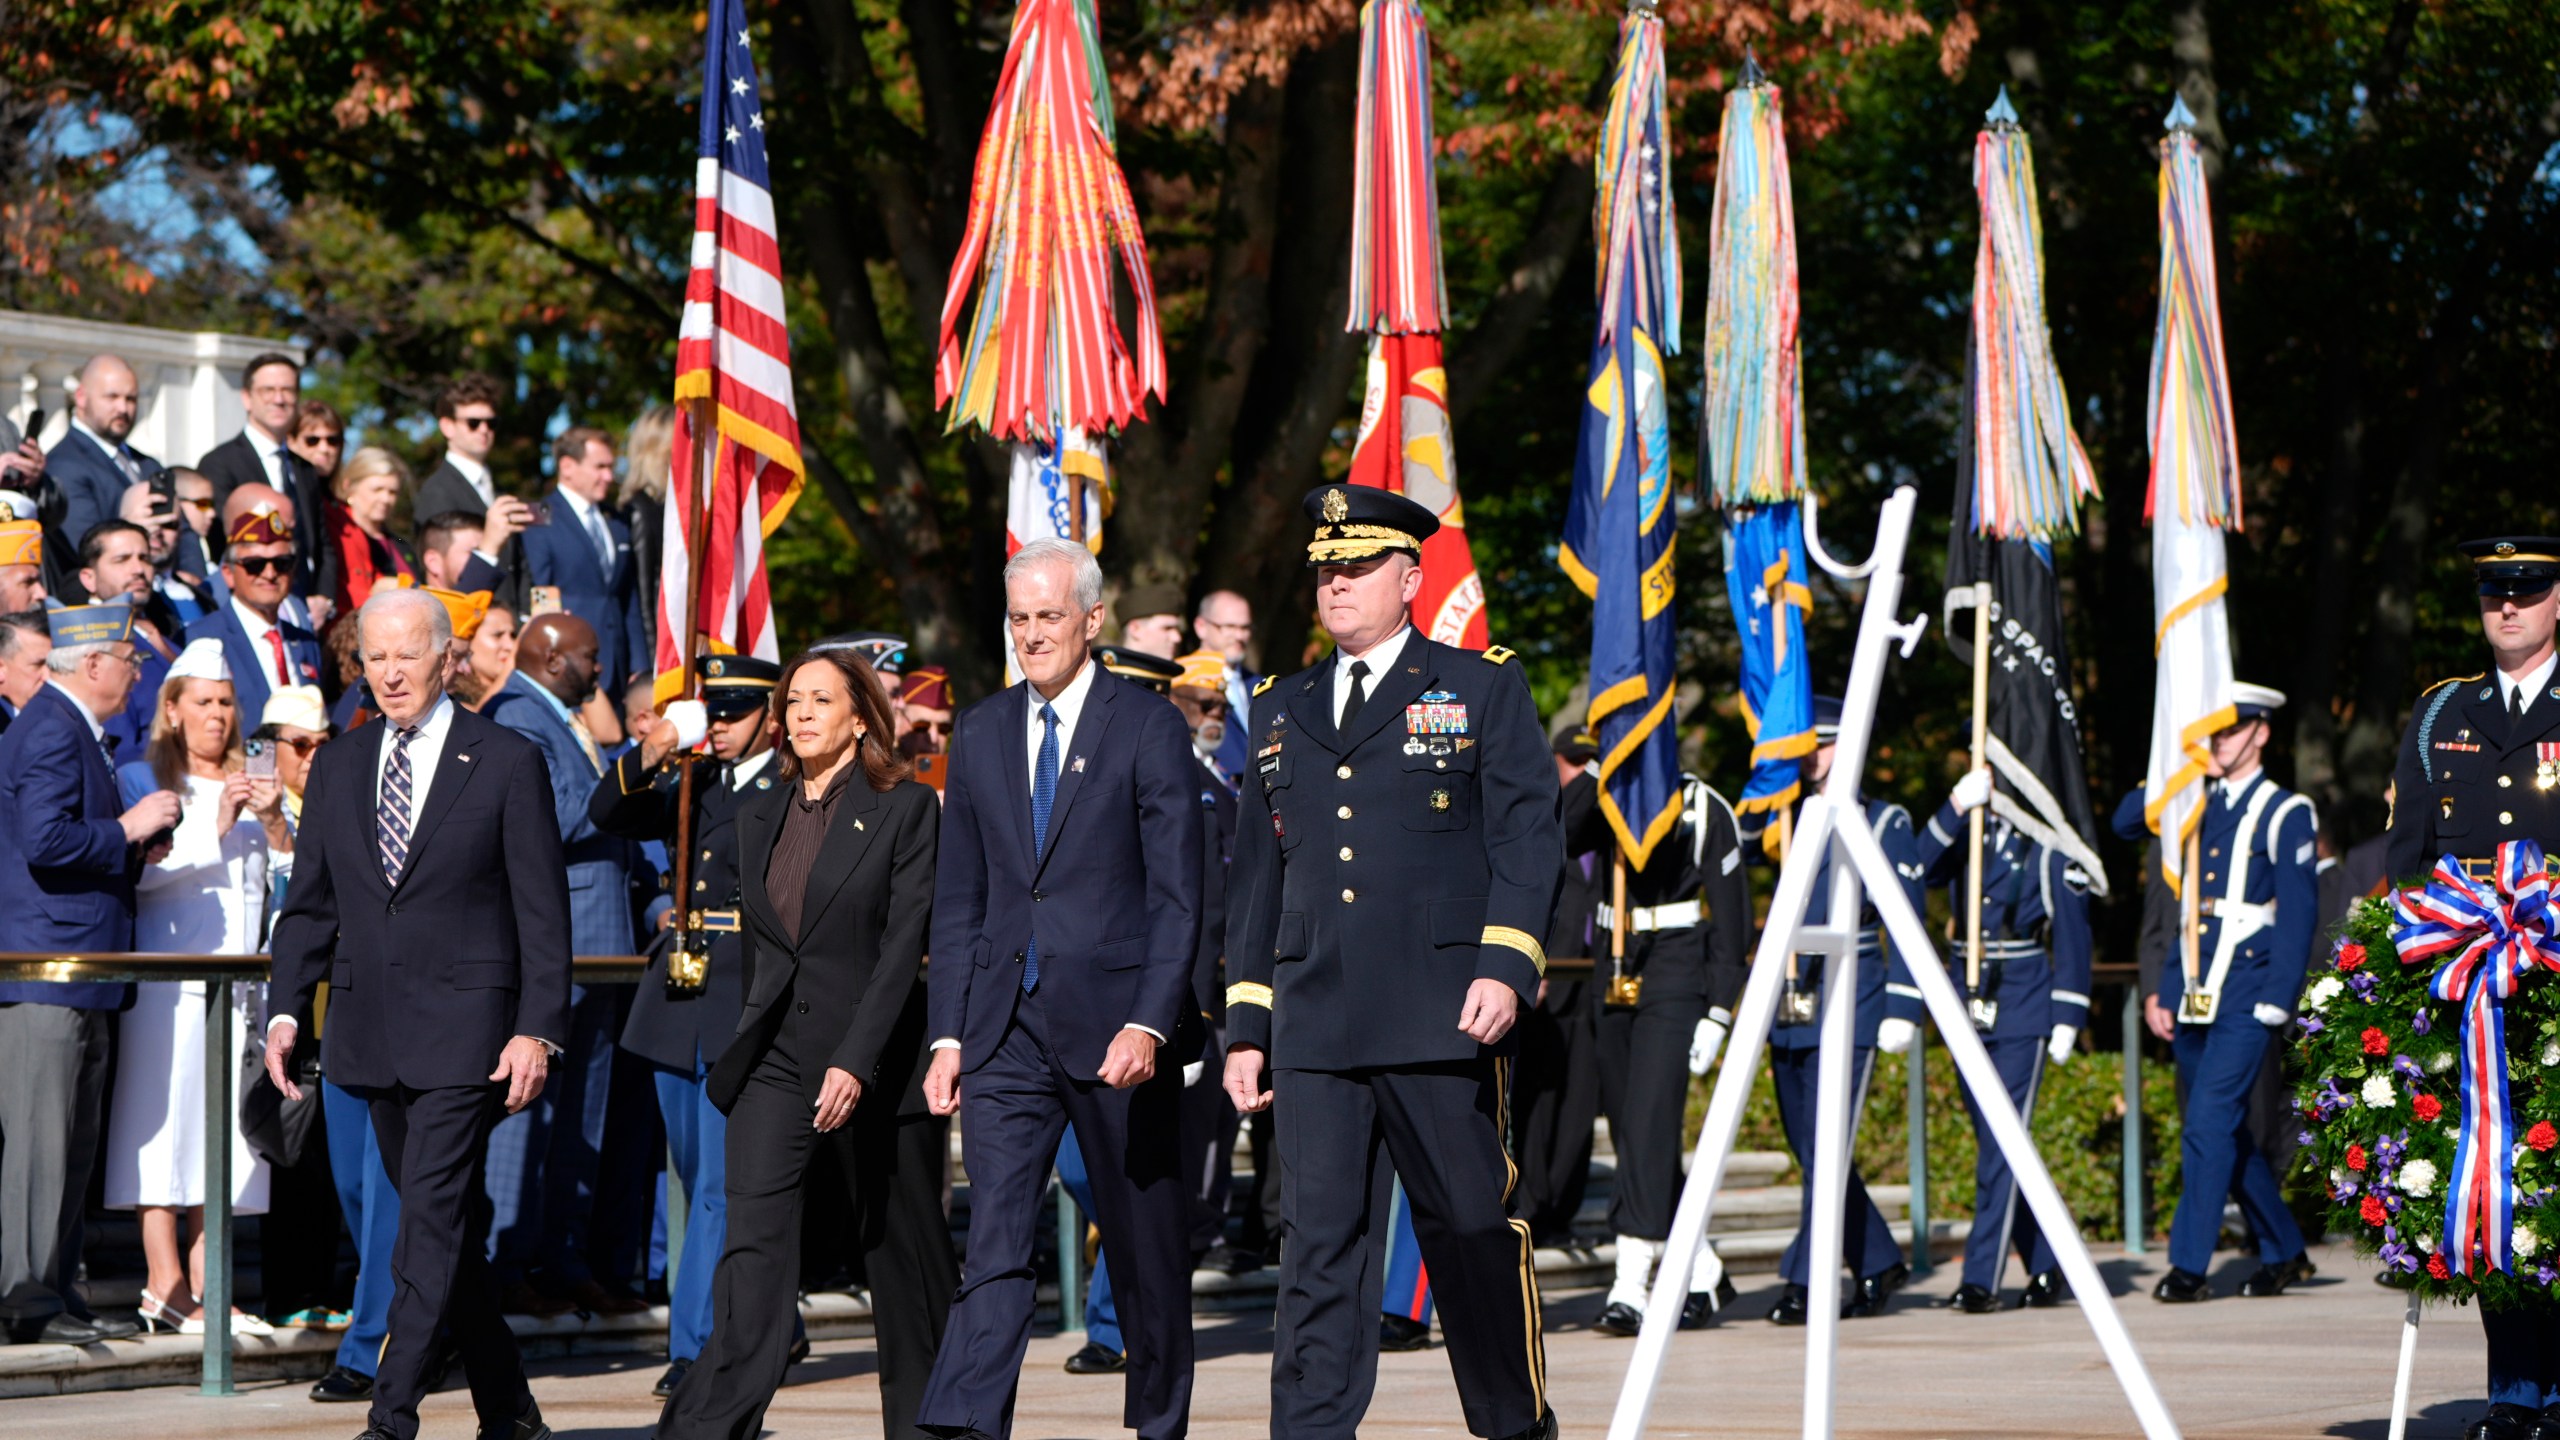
(2078, 1124)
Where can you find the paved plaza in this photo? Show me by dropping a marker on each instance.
(2316, 1362)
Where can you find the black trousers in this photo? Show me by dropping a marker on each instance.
(1013, 1109)
(1555, 1095)
(1344, 1138)
(893, 1167)
(1209, 1125)
(1643, 1060)
(435, 1144)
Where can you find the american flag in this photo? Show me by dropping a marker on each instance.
(733, 360)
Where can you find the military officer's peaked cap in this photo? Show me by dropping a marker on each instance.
(735, 685)
(1152, 671)
(879, 649)
(1358, 522)
(2514, 565)
(1826, 718)
(2255, 702)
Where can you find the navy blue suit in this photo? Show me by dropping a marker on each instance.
(1113, 898)
(1867, 1241)
(66, 869)
(562, 553)
(91, 482)
(253, 663)
(2035, 967)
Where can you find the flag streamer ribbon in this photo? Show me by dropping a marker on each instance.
(2030, 473)
(2489, 936)
(1397, 286)
(1754, 410)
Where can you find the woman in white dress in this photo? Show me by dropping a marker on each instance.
(208, 897)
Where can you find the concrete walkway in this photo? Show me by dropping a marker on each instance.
(2316, 1362)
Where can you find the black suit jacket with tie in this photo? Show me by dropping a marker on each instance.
(1114, 896)
(431, 975)
(235, 463)
(854, 965)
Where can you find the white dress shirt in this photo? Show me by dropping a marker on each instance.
(2534, 682)
(591, 527)
(477, 474)
(744, 771)
(1380, 659)
(269, 456)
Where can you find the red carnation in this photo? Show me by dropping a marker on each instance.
(2427, 1106)
(2375, 1042)
(2350, 956)
(2373, 1212)
(2439, 1269)
(2355, 1157)
(2542, 1137)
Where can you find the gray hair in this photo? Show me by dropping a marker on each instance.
(383, 604)
(67, 659)
(1084, 573)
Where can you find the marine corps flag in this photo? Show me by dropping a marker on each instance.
(1618, 523)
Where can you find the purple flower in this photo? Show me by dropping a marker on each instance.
(2332, 1099)
(2392, 1200)
(2408, 1069)
(2349, 1188)
(2302, 1137)
(2419, 1021)
(2397, 1256)
(2545, 1273)
(2389, 1150)
(2311, 1025)
(2362, 982)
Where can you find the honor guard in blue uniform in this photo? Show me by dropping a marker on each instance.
(1868, 1248)
(1396, 865)
(2030, 1005)
(1661, 1015)
(2480, 764)
(684, 1013)
(2259, 902)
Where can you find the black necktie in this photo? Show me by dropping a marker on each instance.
(2515, 703)
(1351, 707)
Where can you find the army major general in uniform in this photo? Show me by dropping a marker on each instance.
(2480, 764)
(1396, 861)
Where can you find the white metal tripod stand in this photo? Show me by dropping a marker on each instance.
(1834, 832)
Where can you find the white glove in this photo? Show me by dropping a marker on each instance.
(2065, 1037)
(1972, 792)
(1895, 1036)
(2271, 1016)
(1704, 1044)
(690, 720)
(1192, 1072)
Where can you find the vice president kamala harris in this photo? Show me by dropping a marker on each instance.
(837, 863)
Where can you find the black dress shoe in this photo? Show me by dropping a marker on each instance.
(527, 1426)
(1228, 1260)
(2266, 1280)
(799, 1351)
(674, 1377)
(1096, 1359)
(1545, 1429)
(2045, 1289)
(2299, 1268)
(2505, 1422)
(1974, 1299)
(1620, 1318)
(113, 1328)
(342, 1385)
(2548, 1428)
(1702, 1306)
(1398, 1333)
(60, 1330)
(1872, 1292)
(376, 1432)
(1790, 1309)
(2182, 1287)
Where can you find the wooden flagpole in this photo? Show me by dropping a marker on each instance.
(706, 434)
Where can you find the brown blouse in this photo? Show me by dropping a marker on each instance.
(795, 848)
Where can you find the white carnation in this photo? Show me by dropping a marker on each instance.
(2418, 1179)
(2379, 1093)
(2551, 1053)
(2322, 991)
(2425, 1242)
(2440, 1062)
(2524, 1242)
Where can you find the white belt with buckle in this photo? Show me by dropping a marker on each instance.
(2251, 918)
(1655, 917)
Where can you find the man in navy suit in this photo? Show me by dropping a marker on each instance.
(586, 555)
(271, 392)
(1066, 912)
(428, 890)
(265, 643)
(69, 852)
(91, 462)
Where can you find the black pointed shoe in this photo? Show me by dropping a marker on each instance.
(1790, 1309)
(527, 1426)
(1974, 1299)
(1096, 1358)
(1871, 1293)
(342, 1385)
(2045, 1289)
(2505, 1422)
(1620, 1318)
(1399, 1333)
(2182, 1287)
(2299, 1268)
(1701, 1306)
(667, 1383)
(1545, 1429)
(2267, 1280)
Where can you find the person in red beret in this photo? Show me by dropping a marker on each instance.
(924, 696)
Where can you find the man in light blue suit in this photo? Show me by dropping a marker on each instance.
(544, 1160)
(586, 555)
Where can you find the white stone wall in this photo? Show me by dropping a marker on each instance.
(190, 380)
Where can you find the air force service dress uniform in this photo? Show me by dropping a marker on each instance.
(2034, 991)
(2480, 764)
(1867, 1243)
(2259, 907)
(1384, 863)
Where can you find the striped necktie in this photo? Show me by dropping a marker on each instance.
(393, 809)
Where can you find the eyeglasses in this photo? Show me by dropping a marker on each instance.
(476, 422)
(196, 502)
(304, 744)
(126, 656)
(262, 564)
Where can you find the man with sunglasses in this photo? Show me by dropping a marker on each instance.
(268, 645)
(466, 411)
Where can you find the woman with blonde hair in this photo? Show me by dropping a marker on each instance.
(648, 466)
(368, 490)
(207, 897)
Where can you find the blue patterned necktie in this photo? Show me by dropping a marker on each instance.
(392, 809)
(1044, 793)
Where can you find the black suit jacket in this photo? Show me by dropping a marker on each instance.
(856, 961)
(1114, 896)
(428, 977)
(444, 490)
(235, 463)
(1217, 841)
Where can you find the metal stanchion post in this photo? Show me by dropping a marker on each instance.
(1916, 1141)
(1070, 1264)
(221, 1071)
(2133, 1117)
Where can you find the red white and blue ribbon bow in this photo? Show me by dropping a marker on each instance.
(2489, 936)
